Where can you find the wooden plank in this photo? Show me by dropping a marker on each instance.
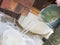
(12, 6)
(35, 11)
(5, 4)
(26, 3)
(17, 6)
(25, 11)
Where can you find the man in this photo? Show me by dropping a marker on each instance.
(55, 37)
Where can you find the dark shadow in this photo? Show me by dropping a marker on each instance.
(10, 13)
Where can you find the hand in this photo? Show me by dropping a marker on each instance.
(58, 2)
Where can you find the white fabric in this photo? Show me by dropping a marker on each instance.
(12, 37)
(32, 24)
(9, 35)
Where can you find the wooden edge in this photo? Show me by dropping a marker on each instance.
(34, 11)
